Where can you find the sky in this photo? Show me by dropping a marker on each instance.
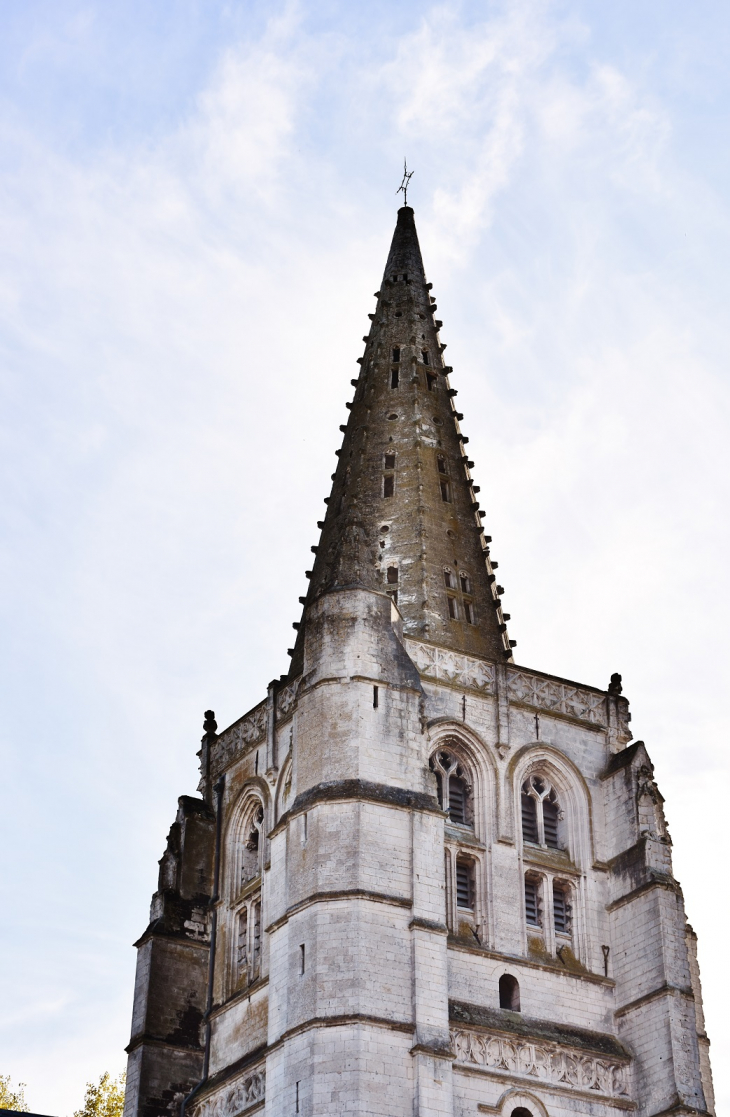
(196, 203)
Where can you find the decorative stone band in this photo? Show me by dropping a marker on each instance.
(451, 667)
(236, 1097)
(467, 672)
(249, 729)
(543, 1062)
(561, 698)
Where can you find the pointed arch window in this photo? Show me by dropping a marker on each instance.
(454, 790)
(251, 844)
(541, 813)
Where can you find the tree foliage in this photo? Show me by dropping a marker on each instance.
(12, 1099)
(104, 1098)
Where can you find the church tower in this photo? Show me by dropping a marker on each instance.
(420, 879)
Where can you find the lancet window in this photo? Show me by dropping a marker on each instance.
(251, 844)
(454, 791)
(541, 813)
(562, 908)
(533, 905)
(248, 941)
(465, 884)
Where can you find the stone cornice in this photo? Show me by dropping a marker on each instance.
(333, 791)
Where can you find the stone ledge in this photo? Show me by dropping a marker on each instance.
(665, 990)
(343, 1021)
(526, 1027)
(336, 895)
(555, 967)
(338, 791)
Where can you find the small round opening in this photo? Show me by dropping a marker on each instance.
(385, 528)
(437, 421)
(393, 416)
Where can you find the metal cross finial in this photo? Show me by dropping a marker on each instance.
(407, 176)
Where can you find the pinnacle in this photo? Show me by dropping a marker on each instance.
(403, 516)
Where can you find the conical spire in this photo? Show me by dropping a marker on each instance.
(403, 517)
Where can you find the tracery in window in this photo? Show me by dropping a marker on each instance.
(454, 791)
(541, 813)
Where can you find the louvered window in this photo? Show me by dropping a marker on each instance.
(561, 909)
(457, 800)
(550, 822)
(465, 885)
(529, 819)
(532, 903)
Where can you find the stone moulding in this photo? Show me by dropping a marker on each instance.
(452, 667)
(559, 697)
(470, 673)
(543, 1062)
(238, 1097)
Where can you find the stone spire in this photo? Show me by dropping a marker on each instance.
(403, 516)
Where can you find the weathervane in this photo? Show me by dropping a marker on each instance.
(407, 176)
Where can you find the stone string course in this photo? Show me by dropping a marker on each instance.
(544, 1062)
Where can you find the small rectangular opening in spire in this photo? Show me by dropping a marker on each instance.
(394, 377)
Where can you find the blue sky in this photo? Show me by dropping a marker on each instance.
(196, 201)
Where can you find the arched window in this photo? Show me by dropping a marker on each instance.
(454, 791)
(250, 854)
(541, 813)
(509, 992)
(520, 1112)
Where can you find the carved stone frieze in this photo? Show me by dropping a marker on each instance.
(286, 698)
(241, 734)
(235, 1098)
(451, 667)
(545, 1062)
(562, 698)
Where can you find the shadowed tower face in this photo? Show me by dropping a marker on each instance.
(403, 516)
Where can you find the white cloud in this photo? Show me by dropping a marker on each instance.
(181, 319)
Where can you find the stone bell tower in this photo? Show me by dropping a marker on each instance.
(419, 879)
